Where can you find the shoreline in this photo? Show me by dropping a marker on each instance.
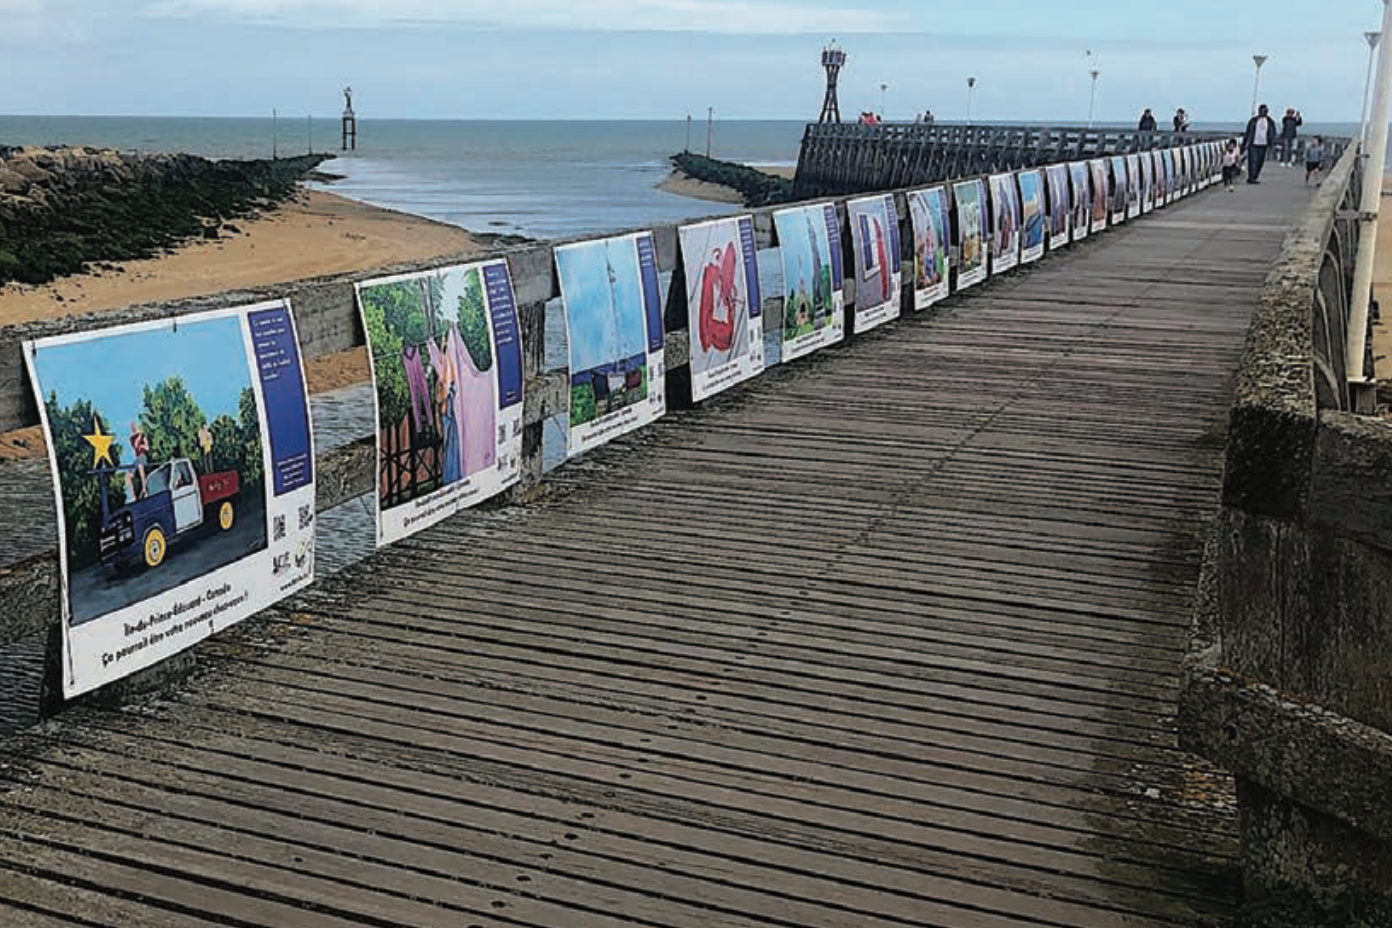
(681, 184)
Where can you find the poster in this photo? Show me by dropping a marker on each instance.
(1031, 215)
(1147, 181)
(1162, 178)
(723, 303)
(928, 212)
(1005, 223)
(1168, 160)
(1060, 207)
(970, 197)
(875, 234)
(1117, 205)
(1133, 186)
(613, 314)
(1080, 184)
(446, 353)
(1101, 194)
(183, 469)
(814, 313)
(1182, 178)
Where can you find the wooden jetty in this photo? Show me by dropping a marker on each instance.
(842, 158)
(888, 637)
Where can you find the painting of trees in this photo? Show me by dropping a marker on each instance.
(82, 511)
(472, 318)
(394, 314)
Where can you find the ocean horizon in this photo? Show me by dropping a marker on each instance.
(543, 179)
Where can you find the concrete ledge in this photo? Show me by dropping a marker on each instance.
(1318, 758)
(1351, 486)
(1274, 416)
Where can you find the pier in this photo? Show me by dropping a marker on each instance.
(893, 635)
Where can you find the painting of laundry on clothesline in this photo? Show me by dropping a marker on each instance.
(432, 360)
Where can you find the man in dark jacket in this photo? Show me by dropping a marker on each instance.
(1260, 135)
(1290, 125)
(1147, 123)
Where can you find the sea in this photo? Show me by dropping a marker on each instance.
(541, 179)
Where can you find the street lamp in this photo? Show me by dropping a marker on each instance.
(971, 82)
(1258, 60)
(1092, 100)
(1093, 70)
(1372, 39)
(883, 88)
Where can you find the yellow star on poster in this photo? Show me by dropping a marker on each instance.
(101, 444)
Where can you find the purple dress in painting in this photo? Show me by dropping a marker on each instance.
(477, 408)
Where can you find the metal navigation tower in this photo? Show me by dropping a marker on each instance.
(832, 59)
(350, 121)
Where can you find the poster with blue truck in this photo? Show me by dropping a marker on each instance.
(183, 468)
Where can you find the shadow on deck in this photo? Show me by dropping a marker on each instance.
(891, 637)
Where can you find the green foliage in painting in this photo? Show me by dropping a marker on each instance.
(473, 321)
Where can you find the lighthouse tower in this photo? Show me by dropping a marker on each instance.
(350, 121)
(832, 59)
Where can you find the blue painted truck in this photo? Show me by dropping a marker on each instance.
(176, 501)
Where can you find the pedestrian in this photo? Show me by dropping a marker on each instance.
(1147, 123)
(140, 449)
(1261, 132)
(1232, 164)
(1314, 159)
(205, 441)
(1290, 125)
(1181, 120)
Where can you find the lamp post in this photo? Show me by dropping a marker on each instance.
(710, 118)
(1376, 149)
(1372, 39)
(971, 83)
(883, 88)
(1092, 100)
(1258, 60)
(1094, 71)
(274, 127)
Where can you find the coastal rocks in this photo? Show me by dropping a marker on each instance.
(756, 187)
(62, 208)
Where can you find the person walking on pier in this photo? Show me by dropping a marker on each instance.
(1232, 164)
(1261, 132)
(1147, 123)
(1290, 125)
(1314, 159)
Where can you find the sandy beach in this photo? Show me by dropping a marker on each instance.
(316, 234)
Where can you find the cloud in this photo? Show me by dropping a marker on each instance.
(718, 16)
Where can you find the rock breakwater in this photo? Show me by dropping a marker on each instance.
(756, 187)
(62, 209)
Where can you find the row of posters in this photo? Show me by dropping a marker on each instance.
(183, 456)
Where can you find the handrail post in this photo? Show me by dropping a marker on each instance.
(1376, 154)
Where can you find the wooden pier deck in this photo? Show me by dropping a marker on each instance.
(890, 637)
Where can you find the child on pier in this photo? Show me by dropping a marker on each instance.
(1232, 164)
(1314, 159)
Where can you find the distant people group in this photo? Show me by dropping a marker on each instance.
(1262, 135)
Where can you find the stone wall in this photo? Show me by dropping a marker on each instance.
(1289, 682)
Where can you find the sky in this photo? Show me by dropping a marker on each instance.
(666, 59)
(209, 356)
